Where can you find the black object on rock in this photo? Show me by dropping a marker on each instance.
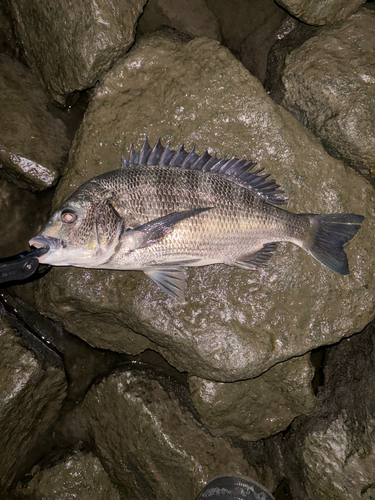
(234, 488)
(21, 266)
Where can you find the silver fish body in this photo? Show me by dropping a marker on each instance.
(167, 209)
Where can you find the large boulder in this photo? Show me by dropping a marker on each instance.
(73, 43)
(235, 324)
(331, 454)
(79, 475)
(329, 87)
(32, 393)
(21, 214)
(319, 12)
(256, 408)
(151, 443)
(33, 143)
(188, 16)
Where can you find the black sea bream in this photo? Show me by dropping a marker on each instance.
(165, 209)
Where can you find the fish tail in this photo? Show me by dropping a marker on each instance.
(330, 234)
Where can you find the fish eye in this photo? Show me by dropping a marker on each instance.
(68, 215)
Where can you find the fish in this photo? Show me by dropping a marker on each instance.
(164, 210)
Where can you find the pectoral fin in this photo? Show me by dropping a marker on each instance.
(171, 279)
(150, 233)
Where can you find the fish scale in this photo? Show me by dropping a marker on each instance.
(165, 209)
(221, 234)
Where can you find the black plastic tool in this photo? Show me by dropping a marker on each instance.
(21, 266)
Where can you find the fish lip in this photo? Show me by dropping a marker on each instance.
(47, 242)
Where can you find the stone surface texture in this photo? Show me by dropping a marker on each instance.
(235, 324)
(329, 86)
(257, 408)
(319, 12)
(268, 20)
(151, 444)
(189, 16)
(242, 19)
(21, 214)
(82, 41)
(33, 144)
(29, 393)
(80, 475)
(291, 35)
(331, 454)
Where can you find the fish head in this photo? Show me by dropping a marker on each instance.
(84, 231)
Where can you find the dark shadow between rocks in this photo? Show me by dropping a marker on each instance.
(84, 366)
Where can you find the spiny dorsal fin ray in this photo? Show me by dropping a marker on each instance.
(239, 171)
(156, 154)
(124, 162)
(134, 157)
(145, 153)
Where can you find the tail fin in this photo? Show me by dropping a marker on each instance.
(332, 232)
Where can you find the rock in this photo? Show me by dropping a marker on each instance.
(81, 43)
(319, 12)
(257, 408)
(331, 454)
(31, 396)
(291, 35)
(263, 35)
(8, 41)
(329, 88)
(244, 21)
(192, 17)
(33, 144)
(22, 214)
(236, 324)
(80, 475)
(150, 442)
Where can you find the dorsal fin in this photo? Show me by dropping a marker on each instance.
(124, 162)
(237, 170)
(145, 153)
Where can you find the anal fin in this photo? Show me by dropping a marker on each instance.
(171, 279)
(258, 259)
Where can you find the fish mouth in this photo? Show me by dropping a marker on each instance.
(45, 244)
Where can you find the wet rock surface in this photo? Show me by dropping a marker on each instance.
(331, 454)
(249, 30)
(148, 430)
(320, 12)
(329, 84)
(139, 421)
(82, 42)
(80, 475)
(33, 144)
(16, 218)
(235, 324)
(291, 35)
(257, 408)
(191, 17)
(31, 392)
